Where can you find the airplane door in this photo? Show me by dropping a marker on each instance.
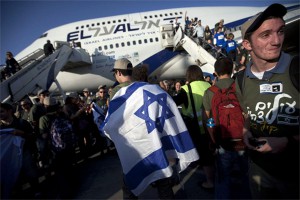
(134, 19)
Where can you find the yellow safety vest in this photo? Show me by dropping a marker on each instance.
(198, 89)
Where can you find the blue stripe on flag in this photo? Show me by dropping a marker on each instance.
(118, 102)
(181, 142)
(154, 162)
(157, 160)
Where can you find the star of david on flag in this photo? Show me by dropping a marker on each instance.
(147, 129)
(143, 112)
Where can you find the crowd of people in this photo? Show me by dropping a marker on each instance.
(218, 41)
(262, 163)
(41, 155)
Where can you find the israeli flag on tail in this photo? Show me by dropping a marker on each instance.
(144, 123)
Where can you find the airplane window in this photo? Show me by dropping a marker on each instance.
(155, 15)
(122, 44)
(100, 48)
(119, 20)
(77, 27)
(161, 15)
(117, 45)
(124, 20)
(181, 13)
(82, 26)
(108, 22)
(128, 43)
(98, 24)
(111, 46)
(171, 14)
(140, 41)
(151, 40)
(166, 14)
(164, 36)
(150, 16)
(145, 17)
(145, 40)
(87, 26)
(156, 39)
(103, 23)
(105, 47)
(114, 21)
(134, 42)
(93, 24)
(176, 13)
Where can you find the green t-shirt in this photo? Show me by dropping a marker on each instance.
(117, 88)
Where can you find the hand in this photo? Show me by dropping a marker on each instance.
(273, 145)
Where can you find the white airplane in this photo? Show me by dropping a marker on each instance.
(140, 37)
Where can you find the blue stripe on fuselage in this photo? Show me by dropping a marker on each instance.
(159, 59)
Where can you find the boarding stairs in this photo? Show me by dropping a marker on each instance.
(41, 73)
(180, 41)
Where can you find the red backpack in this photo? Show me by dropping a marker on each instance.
(227, 113)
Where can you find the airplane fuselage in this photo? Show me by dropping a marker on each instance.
(135, 36)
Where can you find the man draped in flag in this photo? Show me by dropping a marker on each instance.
(148, 132)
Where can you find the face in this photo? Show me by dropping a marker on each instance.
(74, 100)
(25, 105)
(8, 55)
(4, 114)
(102, 92)
(42, 97)
(177, 86)
(207, 78)
(116, 74)
(266, 41)
(85, 93)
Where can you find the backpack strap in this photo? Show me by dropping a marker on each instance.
(294, 71)
(240, 79)
(214, 89)
(192, 100)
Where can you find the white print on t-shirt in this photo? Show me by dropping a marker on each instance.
(273, 88)
(281, 110)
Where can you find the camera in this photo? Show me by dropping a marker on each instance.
(256, 143)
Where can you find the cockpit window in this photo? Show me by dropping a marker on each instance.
(44, 35)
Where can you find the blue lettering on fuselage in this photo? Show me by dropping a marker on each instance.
(75, 36)
(104, 30)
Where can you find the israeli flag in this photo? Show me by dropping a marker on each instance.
(11, 148)
(98, 116)
(148, 131)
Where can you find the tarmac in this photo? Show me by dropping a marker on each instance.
(100, 177)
